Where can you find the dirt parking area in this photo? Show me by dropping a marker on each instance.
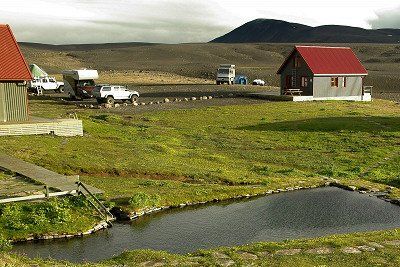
(152, 97)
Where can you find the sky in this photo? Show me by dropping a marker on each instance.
(178, 21)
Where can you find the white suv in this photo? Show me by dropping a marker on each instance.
(46, 83)
(110, 93)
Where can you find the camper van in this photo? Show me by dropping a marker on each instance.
(226, 74)
(80, 83)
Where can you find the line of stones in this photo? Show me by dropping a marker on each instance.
(166, 100)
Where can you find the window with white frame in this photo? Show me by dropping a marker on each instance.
(304, 81)
(335, 82)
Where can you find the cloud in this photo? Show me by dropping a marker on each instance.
(386, 19)
(98, 21)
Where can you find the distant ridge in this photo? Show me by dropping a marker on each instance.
(278, 31)
(82, 47)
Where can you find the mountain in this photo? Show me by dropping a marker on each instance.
(278, 31)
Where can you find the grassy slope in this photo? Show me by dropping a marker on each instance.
(222, 151)
(58, 216)
(188, 155)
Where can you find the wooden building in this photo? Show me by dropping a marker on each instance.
(323, 73)
(14, 73)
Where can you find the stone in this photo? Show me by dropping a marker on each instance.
(288, 252)
(225, 262)
(193, 98)
(125, 104)
(231, 95)
(352, 188)
(176, 100)
(107, 106)
(392, 242)
(351, 250)
(366, 248)
(320, 251)
(375, 245)
(219, 255)
(210, 97)
(152, 264)
(247, 256)
(135, 104)
(166, 100)
(264, 254)
(116, 105)
(204, 97)
(186, 99)
(91, 106)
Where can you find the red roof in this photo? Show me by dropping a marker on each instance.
(13, 66)
(329, 60)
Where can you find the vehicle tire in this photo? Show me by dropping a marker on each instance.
(110, 100)
(60, 89)
(133, 99)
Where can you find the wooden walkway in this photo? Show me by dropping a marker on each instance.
(41, 175)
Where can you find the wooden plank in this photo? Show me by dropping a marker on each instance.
(37, 197)
(41, 175)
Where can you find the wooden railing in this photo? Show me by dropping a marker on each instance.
(367, 89)
(46, 195)
(94, 202)
(81, 190)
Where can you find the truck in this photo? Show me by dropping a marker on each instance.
(226, 74)
(79, 84)
(45, 83)
(106, 93)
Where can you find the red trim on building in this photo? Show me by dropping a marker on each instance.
(13, 66)
(329, 60)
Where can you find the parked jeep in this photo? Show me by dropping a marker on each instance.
(40, 84)
(111, 93)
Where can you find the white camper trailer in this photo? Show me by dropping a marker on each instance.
(80, 83)
(226, 74)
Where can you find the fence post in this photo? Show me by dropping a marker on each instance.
(47, 193)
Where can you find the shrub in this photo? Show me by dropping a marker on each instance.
(4, 243)
(142, 200)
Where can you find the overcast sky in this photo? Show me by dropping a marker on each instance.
(177, 21)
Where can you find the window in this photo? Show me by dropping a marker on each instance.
(335, 82)
(106, 88)
(304, 81)
(297, 63)
(344, 82)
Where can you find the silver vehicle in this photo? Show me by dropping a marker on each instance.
(226, 74)
(110, 93)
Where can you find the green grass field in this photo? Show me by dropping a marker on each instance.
(196, 155)
(201, 153)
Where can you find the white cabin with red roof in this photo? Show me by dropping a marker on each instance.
(324, 73)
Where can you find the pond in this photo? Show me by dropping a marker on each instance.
(292, 215)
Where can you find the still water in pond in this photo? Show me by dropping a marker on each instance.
(299, 214)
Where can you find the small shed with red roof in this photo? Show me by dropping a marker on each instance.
(323, 73)
(14, 74)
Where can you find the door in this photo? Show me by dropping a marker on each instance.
(288, 83)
